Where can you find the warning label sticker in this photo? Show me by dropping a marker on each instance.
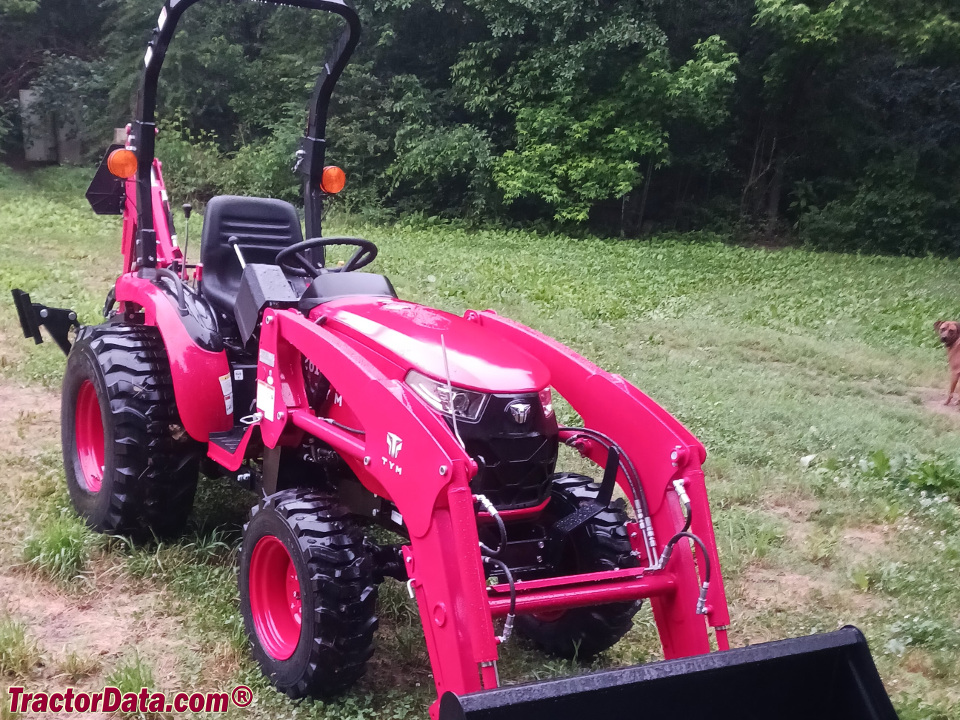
(227, 388)
(266, 395)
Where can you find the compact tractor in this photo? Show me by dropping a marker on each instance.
(347, 409)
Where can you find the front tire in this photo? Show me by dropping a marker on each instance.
(130, 467)
(601, 543)
(307, 593)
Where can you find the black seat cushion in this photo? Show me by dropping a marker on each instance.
(262, 226)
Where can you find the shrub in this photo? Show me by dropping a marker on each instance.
(192, 163)
(888, 212)
(937, 476)
(264, 168)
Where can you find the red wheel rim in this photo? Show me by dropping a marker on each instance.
(90, 438)
(549, 615)
(275, 598)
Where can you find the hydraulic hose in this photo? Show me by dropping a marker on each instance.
(685, 533)
(490, 556)
(633, 479)
(495, 514)
(665, 558)
(685, 501)
(178, 284)
(349, 429)
(512, 612)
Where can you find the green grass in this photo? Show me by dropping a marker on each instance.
(18, 653)
(768, 357)
(129, 676)
(76, 666)
(60, 548)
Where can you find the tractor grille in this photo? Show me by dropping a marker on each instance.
(516, 459)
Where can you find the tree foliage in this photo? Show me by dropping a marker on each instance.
(837, 122)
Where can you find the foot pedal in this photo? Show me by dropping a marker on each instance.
(228, 448)
(229, 440)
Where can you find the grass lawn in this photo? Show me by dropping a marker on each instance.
(814, 380)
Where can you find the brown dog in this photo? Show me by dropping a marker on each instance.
(949, 332)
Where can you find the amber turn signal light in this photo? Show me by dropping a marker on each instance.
(333, 179)
(122, 163)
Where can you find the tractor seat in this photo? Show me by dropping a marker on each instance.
(262, 226)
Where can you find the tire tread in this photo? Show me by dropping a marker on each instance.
(584, 632)
(341, 577)
(155, 475)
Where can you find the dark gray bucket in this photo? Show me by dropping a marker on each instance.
(818, 677)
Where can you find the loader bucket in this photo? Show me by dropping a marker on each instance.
(818, 677)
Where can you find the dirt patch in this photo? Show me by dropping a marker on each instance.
(764, 598)
(931, 400)
(867, 541)
(796, 519)
(29, 418)
(104, 626)
(769, 590)
(107, 623)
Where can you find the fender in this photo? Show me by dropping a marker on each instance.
(197, 373)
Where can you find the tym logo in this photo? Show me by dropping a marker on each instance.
(394, 444)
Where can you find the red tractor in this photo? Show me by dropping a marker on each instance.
(347, 408)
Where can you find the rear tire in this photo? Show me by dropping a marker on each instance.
(130, 467)
(307, 593)
(601, 544)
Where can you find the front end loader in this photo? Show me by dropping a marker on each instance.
(347, 409)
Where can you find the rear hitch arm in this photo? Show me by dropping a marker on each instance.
(58, 321)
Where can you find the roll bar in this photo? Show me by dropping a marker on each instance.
(310, 157)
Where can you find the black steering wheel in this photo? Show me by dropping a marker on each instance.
(292, 259)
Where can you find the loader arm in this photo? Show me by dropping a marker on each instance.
(668, 451)
(427, 478)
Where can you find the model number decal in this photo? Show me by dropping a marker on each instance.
(267, 357)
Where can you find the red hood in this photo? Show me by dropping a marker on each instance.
(479, 359)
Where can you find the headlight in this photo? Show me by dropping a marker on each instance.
(468, 404)
(546, 402)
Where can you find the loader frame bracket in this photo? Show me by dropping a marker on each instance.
(564, 527)
(57, 321)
